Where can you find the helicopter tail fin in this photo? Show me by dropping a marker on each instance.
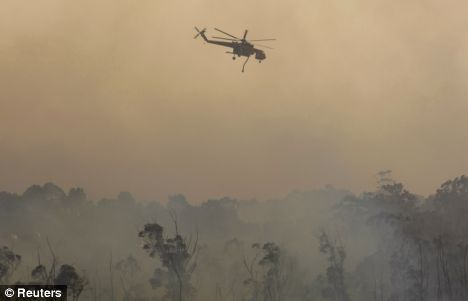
(200, 33)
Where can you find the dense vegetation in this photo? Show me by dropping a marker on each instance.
(326, 244)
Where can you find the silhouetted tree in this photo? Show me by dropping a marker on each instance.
(335, 275)
(177, 256)
(270, 279)
(9, 262)
(75, 283)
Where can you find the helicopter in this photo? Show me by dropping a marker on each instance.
(240, 47)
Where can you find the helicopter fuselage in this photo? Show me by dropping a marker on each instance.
(247, 49)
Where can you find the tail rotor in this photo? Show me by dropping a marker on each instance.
(199, 32)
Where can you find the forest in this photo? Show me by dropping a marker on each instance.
(323, 244)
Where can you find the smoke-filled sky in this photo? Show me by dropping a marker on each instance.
(116, 95)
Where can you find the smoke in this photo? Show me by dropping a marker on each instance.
(46, 225)
(117, 94)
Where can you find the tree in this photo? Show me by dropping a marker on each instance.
(9, 262)
(271, 279)
(76, 195)
(177, 256)
(128, 269)
(75, 283)
(335, 275)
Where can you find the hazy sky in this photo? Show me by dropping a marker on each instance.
(116, 95)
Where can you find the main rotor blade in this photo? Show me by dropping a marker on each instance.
(262, 40)
(256, 45)
(245, 34)
(228, 34)
(225, 39)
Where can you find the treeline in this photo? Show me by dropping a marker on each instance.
(327, 244)
(422, 246)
